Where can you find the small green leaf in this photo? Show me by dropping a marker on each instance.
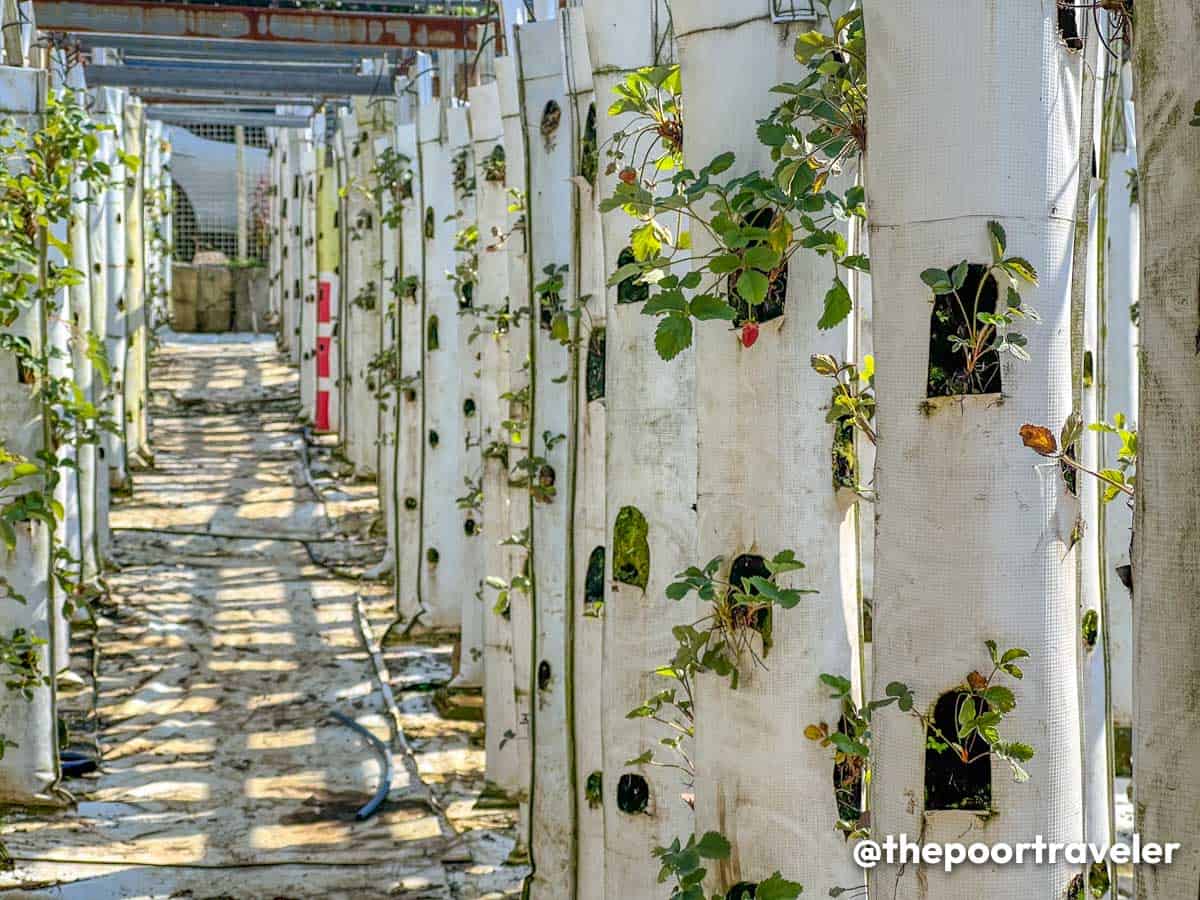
(673, 336)
(713, 846)
(752, 286)
(837, 306)
(706, 307)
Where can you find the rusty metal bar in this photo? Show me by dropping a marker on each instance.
(255, 24)
(259, 78)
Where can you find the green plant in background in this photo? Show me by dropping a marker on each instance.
(463, 174)
(494, 167)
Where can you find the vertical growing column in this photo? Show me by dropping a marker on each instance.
(135, 284)
(548, 471)
(465, 279)
(650, 476)
(116, 340)
(441, 527)
(329, 282)
(520, 306)
(494, 317)
(1166, 552)
(309, 271)
(974, 538)
(763, 489)
(410, 427)
(102, 385)
(585, 603)
(29, 769)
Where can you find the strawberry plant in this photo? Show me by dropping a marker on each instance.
(1118, 479)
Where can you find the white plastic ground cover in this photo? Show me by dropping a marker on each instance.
(548, 142)
(1167, 545)
(983, 127)
(441, 531)
(650, 424)
(29, 770)
(469, 673)
(110, 108)
(102, 391)
(519, 303)
(135, 285)
(491, 298)
(409, 445)
(309, 275)
(585, 283)
(1121, 387)
(762, 489)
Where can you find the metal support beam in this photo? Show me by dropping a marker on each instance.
(249, 51)
(218, 116)
(228, 97)
(260, 25)
(259, 78)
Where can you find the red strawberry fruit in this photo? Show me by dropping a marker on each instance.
(629, 176)
(749, 334)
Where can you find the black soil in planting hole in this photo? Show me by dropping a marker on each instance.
(630, 290)
(594, 789)
(948, 376)
(543, 676)
(845, 462)
(631, 548)
(410, 502)
(1068, 25)
(633, 794)
(470, 527)
(431, 334)
(546, 476)
(951, 783)
(429, 223)
(745, 567)
(743, 890)
(595, 365)
(410, 395)
(468, 407)
(549, 305)
(433, 439)
(551, 119)
(1069, 474)
(847, 784)
(772, 305)
(467, 298)
(593, 582)
(432, 556)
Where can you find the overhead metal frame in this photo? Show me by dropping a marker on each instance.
(218, 116)
(247, 51)
(260, 25)
(261, 78)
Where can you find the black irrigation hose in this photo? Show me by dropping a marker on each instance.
(385, 755)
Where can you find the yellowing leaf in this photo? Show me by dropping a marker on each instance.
(1039, 439)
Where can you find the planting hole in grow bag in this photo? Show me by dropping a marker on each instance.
(431, 334)
(631, 548)
(1068, 25)
(429, 223)
(948, 375)
(745, 567)
(433, 439)
(771, 307)
(847, 781)
(589, 150)
(432, 556)
(468, 407)
(551, 119)
(594, 789)
(743, 890)
(595, 365)
(951, 783)
(470, 527)
(630, 290)
(543, 675)
(633, 794)
(410, 502)
(845, 461)
(593, 583)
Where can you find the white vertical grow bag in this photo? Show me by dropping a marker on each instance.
(102, 391)
(521, 326)
(324, 411)
(550, 235)
(470, 358)
(111, 107)
(309, 274)
(295, 337)
(761, 489)
(29, 770)
(289, 205)
(1167, 544)
(409, 444)
(972, 529)
(491, 299)
(441, 529)
(650, 419)
(585, 603)
(1121, 394)
(135, 285)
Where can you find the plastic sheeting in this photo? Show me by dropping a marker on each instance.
(983, 126)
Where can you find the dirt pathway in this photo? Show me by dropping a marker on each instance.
(232, 635)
